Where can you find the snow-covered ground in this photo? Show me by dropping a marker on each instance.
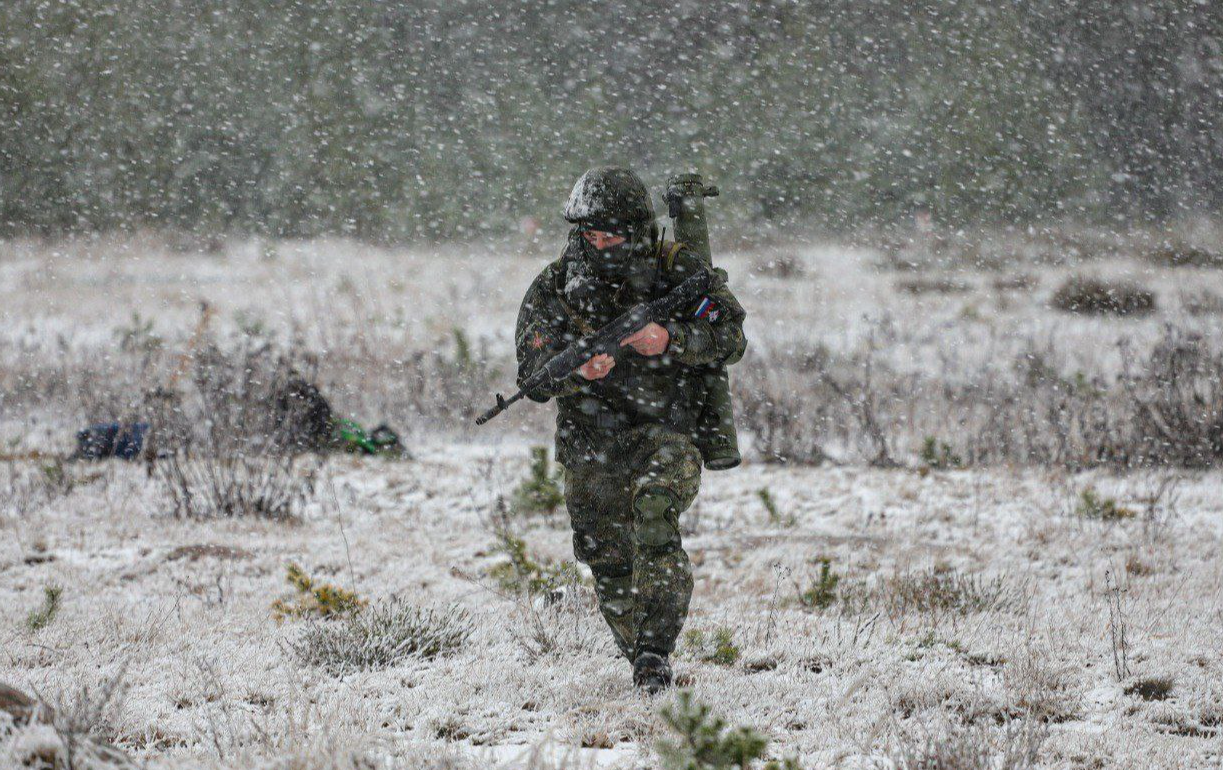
(1036, 595)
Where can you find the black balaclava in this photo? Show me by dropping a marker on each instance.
(597, 270)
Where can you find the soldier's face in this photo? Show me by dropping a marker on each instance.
(602, 239)
(611, 253)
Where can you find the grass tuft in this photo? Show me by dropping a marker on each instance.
(381, 635)
(718, 648)
(936, 590)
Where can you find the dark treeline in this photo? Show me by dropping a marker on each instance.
(445, 118)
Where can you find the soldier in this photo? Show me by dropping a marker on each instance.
(625, 425)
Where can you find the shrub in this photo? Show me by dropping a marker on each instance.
(1094, 296)
(382, 635)
(1092, 506)
(720, 648)
(540, 492)
(314, 598)
(42, 617)
(703, 741)
(463, 358)
(138, 336)
(937, 455)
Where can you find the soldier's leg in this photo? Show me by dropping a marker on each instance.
(664, 485)
(600, 511)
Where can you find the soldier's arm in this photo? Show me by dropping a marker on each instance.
(542, 332)
(709, 333)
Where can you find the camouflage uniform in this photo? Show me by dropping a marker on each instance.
(626, 441)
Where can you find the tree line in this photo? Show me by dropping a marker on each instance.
(440, 119)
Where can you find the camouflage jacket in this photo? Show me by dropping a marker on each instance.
(667, 389)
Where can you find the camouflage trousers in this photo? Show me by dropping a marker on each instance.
(625, 517)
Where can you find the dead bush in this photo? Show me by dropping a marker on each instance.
(786, 406)
(1183, 254)
(209, 487)
(228, 446)
(1151, 688)
(1174, 403)
(780, 265)
(1016, 282)
(937, 590)
(563, 623)
(1039, 689)
(937, 285)
(1016, 746)
(1201, 302)
(1095, 296)
(1165, 408)
(430, 387)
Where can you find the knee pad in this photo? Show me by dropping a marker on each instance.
(656, 526)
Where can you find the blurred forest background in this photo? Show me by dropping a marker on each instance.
(439, 119)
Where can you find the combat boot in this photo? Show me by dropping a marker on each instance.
(651, 672)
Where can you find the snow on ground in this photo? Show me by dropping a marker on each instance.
(182, 609)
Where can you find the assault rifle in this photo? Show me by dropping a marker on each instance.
(607, 340)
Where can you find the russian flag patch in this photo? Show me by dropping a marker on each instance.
(707, 310)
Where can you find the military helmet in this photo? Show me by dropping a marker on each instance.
(609, 196)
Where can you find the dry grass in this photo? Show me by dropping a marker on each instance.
(943, 666)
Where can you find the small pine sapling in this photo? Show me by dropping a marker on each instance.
(823, 590)
(40, 618)
(1093, 506)
(937, 455)
(770, 505)
(523, 573)
(314, 598)
(541, 491)
(704, 742)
